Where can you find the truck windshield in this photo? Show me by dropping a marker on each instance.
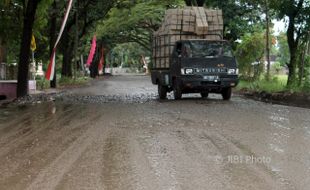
(207, 49)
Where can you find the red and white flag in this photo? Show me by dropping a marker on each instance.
(51, 67)
(92, 51)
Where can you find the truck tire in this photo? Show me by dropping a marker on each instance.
(177, 92)
(162, 92)
(226, 93)
(204, 94)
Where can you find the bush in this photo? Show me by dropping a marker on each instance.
(69, 81)
(276, 67)
(42, 83)
(277, 84)
(306, 86)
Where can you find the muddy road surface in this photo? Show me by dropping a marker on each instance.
(136, 142)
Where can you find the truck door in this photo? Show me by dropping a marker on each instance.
(176, 60)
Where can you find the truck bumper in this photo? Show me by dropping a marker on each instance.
(190, 84)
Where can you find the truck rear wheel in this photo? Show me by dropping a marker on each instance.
(162, 91)
(226, 93)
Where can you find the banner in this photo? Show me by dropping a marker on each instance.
(51, 67)
(92, 51)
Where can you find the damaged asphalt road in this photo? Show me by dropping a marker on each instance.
(115, 134)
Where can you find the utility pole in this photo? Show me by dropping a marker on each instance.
(267, 39)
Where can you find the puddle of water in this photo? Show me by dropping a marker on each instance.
(276, 148)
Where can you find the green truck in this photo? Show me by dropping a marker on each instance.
(187, 62)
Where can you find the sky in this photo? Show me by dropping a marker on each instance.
(279, 26)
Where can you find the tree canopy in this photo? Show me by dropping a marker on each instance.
(297, 13)
(135, 22)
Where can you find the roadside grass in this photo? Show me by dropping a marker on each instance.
(276, 84)
(69, 82)
(62, 82)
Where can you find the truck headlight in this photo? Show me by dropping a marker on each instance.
(187, 71)
(232, 71)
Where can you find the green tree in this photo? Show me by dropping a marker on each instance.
(284, 53)
(11, 17)
(264, 7)
(133, 51)
(298, 14)
(250, 51)
(89, 13)
(23, 64)
(19, 20)
(240, 17)
(142, 19)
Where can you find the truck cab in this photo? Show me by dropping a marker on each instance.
(198, 66)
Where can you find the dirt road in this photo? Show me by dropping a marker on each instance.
(148, 144)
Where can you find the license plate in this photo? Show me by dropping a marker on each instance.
(210, 78)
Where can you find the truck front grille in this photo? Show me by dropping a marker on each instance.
(210, 70)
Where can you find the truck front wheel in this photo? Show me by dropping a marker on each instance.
(177, 92)
(226, 93)
(162, 91)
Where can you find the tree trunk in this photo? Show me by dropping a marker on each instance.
(292, 44)
(2, 52)
(67, 61)
(67, 45)
(94, 64)
(292, 72)
(23, 65)
(292, 66)
(267, 40)
(53, 21)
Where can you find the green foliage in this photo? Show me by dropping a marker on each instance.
(11, 18)
(249, 51)
(134, 22)
(306, 85)
(277, 67)
(69, 81)
(195, 2)
(277, 84)
(298, 14)
(42, 83)
(129, 54)
(298, 8)
(283, 52)
(63, 82)
(272, 86)
(240, 17)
